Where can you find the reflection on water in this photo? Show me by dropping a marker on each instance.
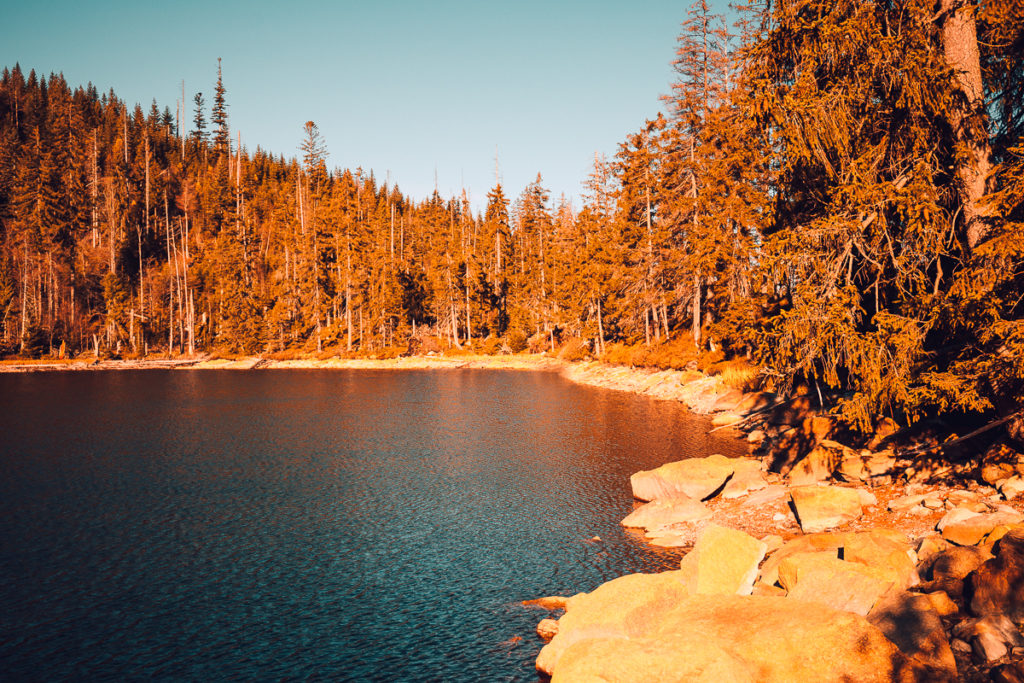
(335, 524)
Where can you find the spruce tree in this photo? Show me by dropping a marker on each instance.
(219, 117)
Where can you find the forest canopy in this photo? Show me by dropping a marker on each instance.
(834, 190)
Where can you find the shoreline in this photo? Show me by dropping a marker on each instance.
(699, 392)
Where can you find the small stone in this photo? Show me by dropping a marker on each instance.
(551, 602)
(778, 517)
(547, 629)
(905, 503)
(955, 516)
(960, 646)
(942, 603)
(929, 547)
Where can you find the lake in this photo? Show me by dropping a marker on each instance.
(335, 524)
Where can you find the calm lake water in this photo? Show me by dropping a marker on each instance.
(344, 525)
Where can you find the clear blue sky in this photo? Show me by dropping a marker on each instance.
(395, 86)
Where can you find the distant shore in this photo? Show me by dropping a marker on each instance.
(699, 392)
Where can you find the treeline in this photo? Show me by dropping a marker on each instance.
(836, 191)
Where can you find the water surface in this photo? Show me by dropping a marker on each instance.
(350, 525)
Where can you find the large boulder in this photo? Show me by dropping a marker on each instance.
(739, 638)
(809, 543)
(965, 527)
(819, 508)
(957, 562)
(621, 608)
(723, 562)
(997, 586)
(815, 466)
(696, 478)
(665, 511)
(886, 551)
(821, 577)
(913, 624)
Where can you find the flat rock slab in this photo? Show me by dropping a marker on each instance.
(746, 477)
(819, 508)
(847, 586)
(887, 552)
(963, 527)
(696, 478)
(769, 494)
(666, 511)
(723, 562)
(739, 638)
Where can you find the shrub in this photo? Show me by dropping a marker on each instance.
(574, 350)
(517, 341)
(491, 346)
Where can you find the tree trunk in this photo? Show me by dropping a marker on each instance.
(960, 44)
(696, 309)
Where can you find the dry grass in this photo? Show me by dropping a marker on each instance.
(675, 354)
(736, 373)
(37, 361)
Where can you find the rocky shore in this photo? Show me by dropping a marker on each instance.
(809, 560)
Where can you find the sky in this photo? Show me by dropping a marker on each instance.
(409, 90)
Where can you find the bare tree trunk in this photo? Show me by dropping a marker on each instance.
(696, 309)
(647, 325)
(960, 44)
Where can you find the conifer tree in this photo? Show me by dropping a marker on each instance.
(219, 117)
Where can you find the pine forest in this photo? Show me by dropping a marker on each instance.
(833, 193)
